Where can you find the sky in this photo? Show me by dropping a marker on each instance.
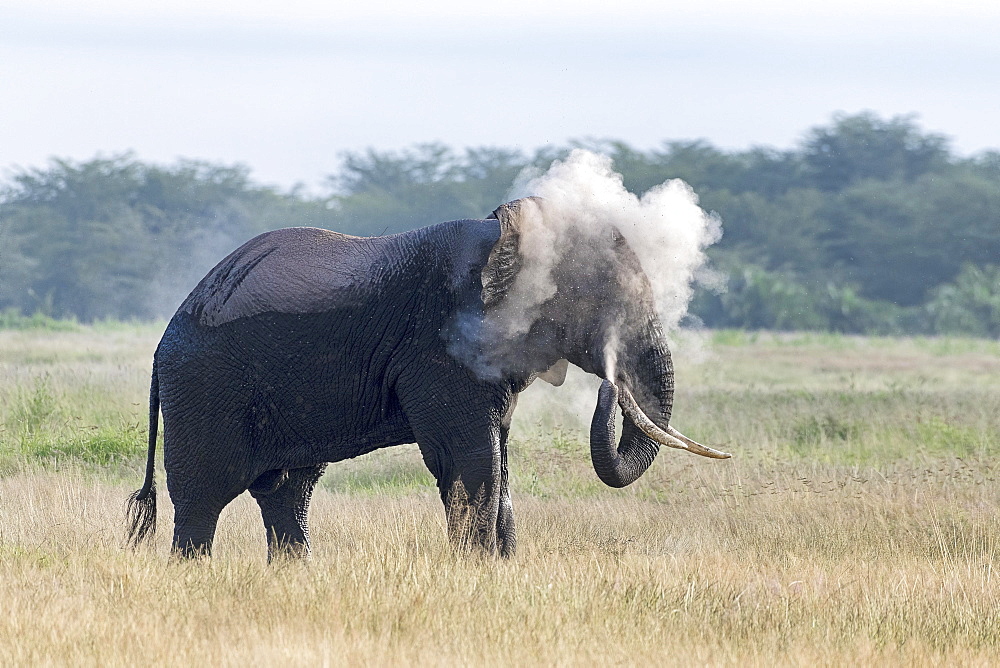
(287, 87)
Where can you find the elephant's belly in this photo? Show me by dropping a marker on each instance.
(293, 392)
(332, 425)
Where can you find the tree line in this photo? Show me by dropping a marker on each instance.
(866, 225)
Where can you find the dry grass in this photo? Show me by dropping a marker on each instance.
(857, 525)
(889, 570)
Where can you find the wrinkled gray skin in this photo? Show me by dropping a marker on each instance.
(305, 347)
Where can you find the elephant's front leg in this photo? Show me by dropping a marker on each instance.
(471, 496)
(469, 477)
(506, 535)
(283, 497)
(460, 425)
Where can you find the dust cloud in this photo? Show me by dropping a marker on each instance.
(582, 201)
(176, 281)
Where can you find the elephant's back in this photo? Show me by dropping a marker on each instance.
(292, 270)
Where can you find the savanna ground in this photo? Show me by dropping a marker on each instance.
(856, 524)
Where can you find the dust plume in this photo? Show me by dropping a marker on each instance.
(582, 202)
(193, 260)
(569, 226)
(584, 197)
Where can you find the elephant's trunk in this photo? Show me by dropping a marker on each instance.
(640, 441)
(622, 465)
(646, 371)
(640, 362)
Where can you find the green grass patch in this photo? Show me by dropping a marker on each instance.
(54, 358)
(101, 446)
(393, 471)
(734, 337)
(33, 408)
(39, 427)
(816, 430)
(13, 319)
(835, 399)
(136, 327)
(937, 435)
(944, 346)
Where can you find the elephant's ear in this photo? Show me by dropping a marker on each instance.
(556, 374)
(505, 259)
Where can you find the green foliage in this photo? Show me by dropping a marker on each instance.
(868, 225)
(11, 318)
(33, 409)
(116, 238)
(387, 192)
(755, 298)
(970, 305)
(760, 299)
(864, 146)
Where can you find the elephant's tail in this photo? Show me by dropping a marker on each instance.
(140, 511)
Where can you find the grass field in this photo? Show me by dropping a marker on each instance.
(856, 524)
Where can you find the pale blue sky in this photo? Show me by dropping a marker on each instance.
(284, 87)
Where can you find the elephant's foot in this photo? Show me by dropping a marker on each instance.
(286, 548)
(191, 549)
(284, 498)
(473, 522)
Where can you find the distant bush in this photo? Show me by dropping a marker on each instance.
(869, 225)
(755, 298)
(11, 318)
(970, 305)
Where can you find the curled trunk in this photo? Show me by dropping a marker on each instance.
(644, 366)
(640, 441)
(622, 465)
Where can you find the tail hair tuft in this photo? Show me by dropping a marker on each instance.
(140, 515)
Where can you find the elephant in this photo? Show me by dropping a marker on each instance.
(305, 347)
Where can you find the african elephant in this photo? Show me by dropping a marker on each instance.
(305, 347)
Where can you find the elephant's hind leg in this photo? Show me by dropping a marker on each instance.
(283, 497)
(195, 523)
(198, 502)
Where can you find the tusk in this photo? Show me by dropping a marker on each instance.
(696, 447)
(671, 437)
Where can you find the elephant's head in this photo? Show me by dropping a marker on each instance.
(555, 291)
